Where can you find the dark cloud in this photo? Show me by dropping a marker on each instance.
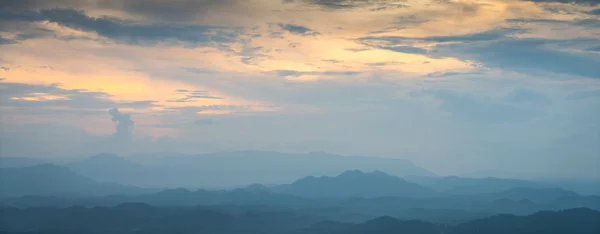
(406, 49)
(592, 2)
(591, 23)
(301, 73)
(297, 29)
(527, 20)
(450, 74)
(498, 48)
(594, 12)
(4, 41)
(124, 124)
(122, 138)
(178, 10)
(125, 31)
(373, 5)
(40, 4)
(402, 44)
(331, 4)
(193, 110)
(251, 54)
(191, 96)
(136, 104)
(595, 49)
(378, 64)
(48, 96)
(494, 34)
(526, 55)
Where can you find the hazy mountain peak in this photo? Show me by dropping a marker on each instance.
(378, 172)
(354, 172)
(383, 221)
(355, 183)
(359, 173)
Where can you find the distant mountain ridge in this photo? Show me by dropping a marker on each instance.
(472, 186)
(573, 221)
(49, 179)
(540, 195)
(231, 169)
(108, 167)
(355, 183)
(143, 218)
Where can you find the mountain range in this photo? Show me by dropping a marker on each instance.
(242, 168)
(352, 195)
(355, 183)
(49, 179)
(231, 169)
(143, 218)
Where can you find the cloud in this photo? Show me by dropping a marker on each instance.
(527, 20)
(500, 48)
(193, 96)
(526, 55)
(297, 29)
(451, 74)
(494, 34)
(365, 82)
(124, 123)
(4, 41)
(126, 31)
(192, 111)
(334, 4)
(590, 23)
(583, 22)
(38, 4)
(373, 5)
(591, 2)
(316, 73)
(180, 10)
(406, 49)
(50, 96)
(594, 12)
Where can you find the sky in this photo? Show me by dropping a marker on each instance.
(456, 86)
